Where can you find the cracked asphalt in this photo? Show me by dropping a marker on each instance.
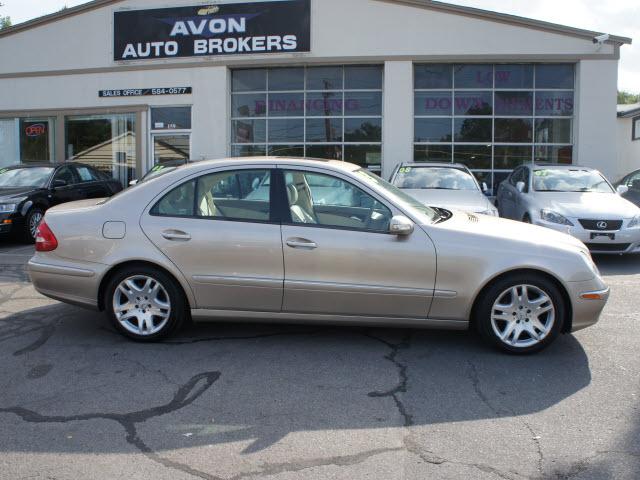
(224, 401)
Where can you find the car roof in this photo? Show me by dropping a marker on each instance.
(459, 166)
(306, 162)
(559, 166)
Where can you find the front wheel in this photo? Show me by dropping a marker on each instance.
(521, 314)
(145, 304)
(33, 219)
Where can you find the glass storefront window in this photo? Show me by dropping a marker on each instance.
(494, 117)
(168, 148)
(106, 142)
(27, 140)
(332, 112)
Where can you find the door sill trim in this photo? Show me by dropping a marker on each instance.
(211, 315)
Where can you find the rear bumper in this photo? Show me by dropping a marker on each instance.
(76, 284)
(586, 312)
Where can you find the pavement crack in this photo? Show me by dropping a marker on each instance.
(184, 396)
(402, 385)
(475, 381)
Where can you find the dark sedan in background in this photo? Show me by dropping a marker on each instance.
(632, 182)
(27, 191)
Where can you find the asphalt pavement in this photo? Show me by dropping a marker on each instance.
(246, 401)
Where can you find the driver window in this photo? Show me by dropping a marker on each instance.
(634, 182)
(65, 174)
(319, 199)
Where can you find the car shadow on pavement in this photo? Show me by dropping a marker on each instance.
(256, 384)
(618, 264)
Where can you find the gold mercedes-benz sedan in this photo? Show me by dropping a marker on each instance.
(291, 240)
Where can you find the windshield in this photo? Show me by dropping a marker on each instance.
(434, 178)
(24, 177)
(396, 194)
(570, 180)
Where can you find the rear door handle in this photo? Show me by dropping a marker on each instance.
(301, 243)
(176, 235)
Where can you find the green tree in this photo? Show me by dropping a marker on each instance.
(625, 98)
(4, 21)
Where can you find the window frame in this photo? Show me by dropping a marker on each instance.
(635, 129)
(341, 94)
(451, 91)
(275, 208)
(286, 218)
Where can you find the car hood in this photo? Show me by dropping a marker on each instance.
(500, 231)
(465, 200)
(8, 193)
(590, 205)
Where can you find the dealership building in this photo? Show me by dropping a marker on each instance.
(125, 84)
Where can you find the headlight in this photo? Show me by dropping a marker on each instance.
(8, 207)
(553, 217)
(635, 221)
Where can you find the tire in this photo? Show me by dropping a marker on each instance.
(501, 309)
(32, 220)
(526, 218)
(158, 305)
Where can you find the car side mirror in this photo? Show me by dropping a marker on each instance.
(485, 188)
(59, 183)
(520, 186)
(622, 189)
(401, 225)
(133, 182)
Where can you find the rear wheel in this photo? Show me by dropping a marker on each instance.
(526, 218)
(521, 314)
(33, 219)
(144, 303)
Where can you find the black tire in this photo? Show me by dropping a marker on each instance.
(526, 218)
(28, 235)
(178, 312)
(491, 294)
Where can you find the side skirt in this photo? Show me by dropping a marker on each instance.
(202, 315)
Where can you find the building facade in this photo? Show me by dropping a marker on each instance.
(125, 84)
(629, 137)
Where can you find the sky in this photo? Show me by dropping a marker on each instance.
(618, 17)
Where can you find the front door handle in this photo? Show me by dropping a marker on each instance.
(176, 235)
(301, 243)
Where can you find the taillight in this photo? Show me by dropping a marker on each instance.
(46, 241)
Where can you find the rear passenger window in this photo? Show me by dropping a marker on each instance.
(234, 195)
(179, 202)
(86, 175)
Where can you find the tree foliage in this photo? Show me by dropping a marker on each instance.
(625, 98)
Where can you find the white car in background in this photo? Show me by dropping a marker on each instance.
(575, 200)
(443, 185)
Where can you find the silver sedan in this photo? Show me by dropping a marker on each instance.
(444, 185)
(574, 200)
(281, 240)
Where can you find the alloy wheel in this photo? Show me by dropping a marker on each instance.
(34, 221)
(523, 316)
(141, 305)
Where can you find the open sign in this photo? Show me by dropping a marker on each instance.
(35, 130)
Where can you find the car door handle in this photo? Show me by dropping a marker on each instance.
(301, 243)
(176, 235)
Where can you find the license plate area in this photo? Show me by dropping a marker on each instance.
(595, 235)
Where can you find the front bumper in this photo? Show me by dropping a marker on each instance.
(586, 311)
(10, 222)
(625, 240)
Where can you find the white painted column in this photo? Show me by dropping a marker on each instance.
(397, 133)
(211, 122)
(596, 118)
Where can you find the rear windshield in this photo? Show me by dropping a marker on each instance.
(570, 180)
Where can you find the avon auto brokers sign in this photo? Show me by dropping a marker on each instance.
(221, 29)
